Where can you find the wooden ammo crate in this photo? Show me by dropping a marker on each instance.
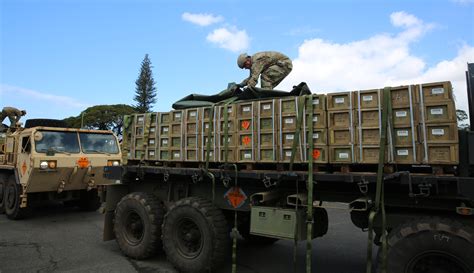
(286, 152)
(192, 115)
(367, 99)
(319, 137)
(287, 122)
(191, 155)
(231, 112)
(320, 154)
(405, 116)
(267, 108)
(443, 154)
(439, 112)
(231, 154)
(340, 101)
(319, 103)
(369, 154)
(267, 154)
(177, 116)
(245, 109)
(288, 106)
(287, 138)
(266, 147)
(151, 154)
(212, 149)
(341, 154)
(435, 92)
(404, 136)
(403, 96)
(368, 117)
(367, 136)
(406, 154)
(341, 136)
(341, 119)
(441, 133)
(319, 120)
(245, 155)
(177, 154)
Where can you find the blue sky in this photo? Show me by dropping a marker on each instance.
(58, 57)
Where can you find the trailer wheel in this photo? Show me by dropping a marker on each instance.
(137, 228)
(3, 185)
(195, 235)
(434, 245)
(89, 200)
(12, 200)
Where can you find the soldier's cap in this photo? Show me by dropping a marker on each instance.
(23, 112)
(241, 59)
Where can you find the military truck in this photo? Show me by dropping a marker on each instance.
(187, 198)
(46, 161)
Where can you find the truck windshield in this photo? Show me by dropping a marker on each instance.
(98, 143)
(62, 142)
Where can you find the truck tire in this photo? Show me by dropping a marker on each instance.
(432, 244)
(89, 200)
(137, 228)
(195, 235)
(12, 200)
(29, 123)
(3, 185)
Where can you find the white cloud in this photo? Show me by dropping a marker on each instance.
(229, 38)
(201, 19)
(378, 61)
(63, 101)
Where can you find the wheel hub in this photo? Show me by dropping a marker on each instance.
(189, 238)
(436, 262)
(134, 228)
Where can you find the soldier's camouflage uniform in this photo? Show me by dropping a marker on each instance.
(272, 66)
(13, 115)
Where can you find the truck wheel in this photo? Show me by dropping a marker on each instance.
(137, 228)
(12, 200)
(195, 235)
(434, 245)
(89, 200)
(3, 185)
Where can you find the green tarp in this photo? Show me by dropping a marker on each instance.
(252, 93)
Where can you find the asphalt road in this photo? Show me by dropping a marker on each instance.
(59, 239)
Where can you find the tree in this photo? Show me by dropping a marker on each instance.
(102, 117)
(145, 91)
(462, 117)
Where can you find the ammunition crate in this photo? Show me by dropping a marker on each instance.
(341, 154)
(367, 136)
(441, 112)
(176, 129)
(319, 120)
(319, 154)
(164, 117)
(192, 155)
(231, 127)
(192, 128)
(404, 136)
(245, 155)
(246, 140)
(288, 106)
(340, 136)
(231, 154)
(368, 117)
(288, 138)
(319, 103)
(267, 108)
(435, 92)
(267, 124)
(406, 154)
(212, 154)
(339, 101)
(230, 111)
(367, 99)
(205, 126)
(164, 154)
(206, 113)
(164, 130)
(231, 140)
(245, 109)
(286, 152)
(192, 115)
(177, 116)
(441, 133)
(443, 154)
(212, 148)
(266, 153)
(268, 138)
(404, 116)
(151, 154)
(176, 154)
(340, 119)
(319, 137)
(245, 125)
(288, 122)
(403, 96)
(192, 141)
(369, 154)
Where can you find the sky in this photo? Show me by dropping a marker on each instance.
(58, 57)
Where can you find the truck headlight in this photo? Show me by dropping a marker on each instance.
(43, 165)
(50, 164)
(113, 163)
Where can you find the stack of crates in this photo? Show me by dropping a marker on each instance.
(245, 122)
(164, 136)
(404, 137)
(319, 135)
(267, 130)
(287, 123)
(368, 116)
(192, 134)
(208, 124)
(177, 135)
(143, 137)
(439, 137)
(228, 155)
(341, 127)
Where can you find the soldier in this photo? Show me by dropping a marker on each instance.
(13, 115)
(272, 66)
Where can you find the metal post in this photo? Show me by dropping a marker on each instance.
(470, 92)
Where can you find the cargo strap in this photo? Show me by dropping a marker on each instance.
(146, 134)
(299, 121)
(379, 206)
(127, 121)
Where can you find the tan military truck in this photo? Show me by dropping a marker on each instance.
(40, 163)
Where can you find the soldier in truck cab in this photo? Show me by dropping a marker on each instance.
(13, 114)
(271, 66)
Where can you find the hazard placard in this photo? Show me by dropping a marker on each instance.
(83, 162)
(236, 197)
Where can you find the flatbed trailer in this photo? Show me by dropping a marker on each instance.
(424, 222)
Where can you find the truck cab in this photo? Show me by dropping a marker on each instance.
(49, 163)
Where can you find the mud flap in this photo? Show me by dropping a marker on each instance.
(114, 195)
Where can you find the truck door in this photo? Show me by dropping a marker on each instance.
(24, 162)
